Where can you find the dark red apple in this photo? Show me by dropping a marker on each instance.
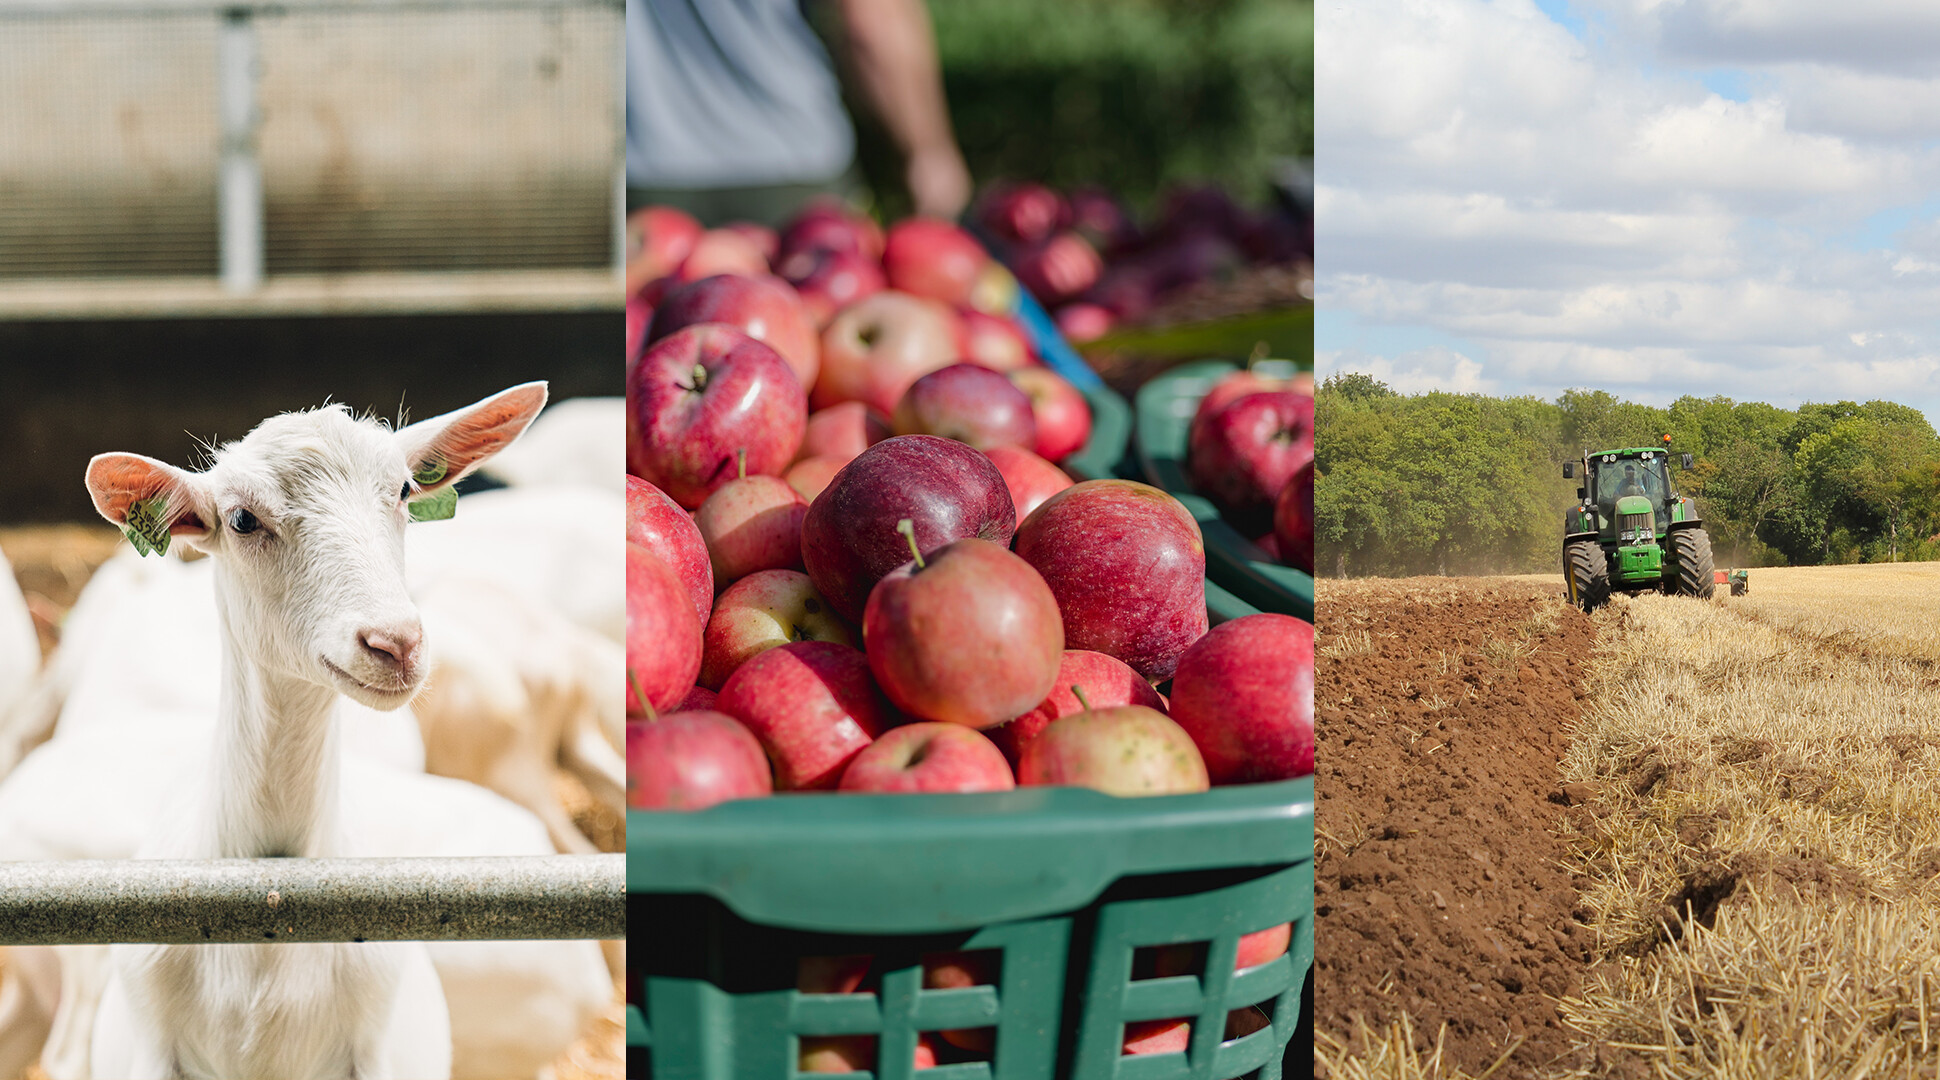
(947, 489)
(933, 258)
(1107, 682)
(698, 398)
(828, 225)
(656, 522)
(970, 404)
(812, 705)
(663, 637)
(1022, 213)
(832, 974)
(762, 306)
(692, 760)
(761, 611)
(829, 281)
(930, 757)
(658, 240)
(1102, 220)
(1238, 384)
(1124, 750)
(841, 432)
(1063, 416)
(700, 697)
(1293, 520)
(968, 634)
(1030, 478)
(638, 313)
(1059, 268)
(1242, 456)
(1128, 566)
(722, 251)
(873, 349)
(1245, 693)
(752, 523)
(993, 341)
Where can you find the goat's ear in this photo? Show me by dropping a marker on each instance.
(444, 448)
(149, 500)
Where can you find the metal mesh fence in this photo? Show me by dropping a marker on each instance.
(433, 137)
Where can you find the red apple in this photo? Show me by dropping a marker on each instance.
(929, 757)
(1063, 416)
(1256, 948)
(760, 305)
(1081, 321)
(698, 398)
(829, 281)
(1102, 220)
(1059, 268)
(658, 240)
(959, 971)
(692, 760)
(992, 341)
(1242, 456)
(1030, 478)
(656, 522)
(765, 240)
(1158, 1036)
(811, 476)
(699, 698)
(970, 404)
(968, 634)
(1107, 682)
(812, 705)
(1245, 693)
(933, 258)
(828, 225)
(1293, 519)
(722, 251)
(1023, 213)
(1238, 384)
(873, 349)
(832, 974)
(1128, 566)
(854, 1053)
(1243, 1022)
(841, 432)
(663, 638)
(1122, 750)
(946, 489)
(750, 524)
(761, 611)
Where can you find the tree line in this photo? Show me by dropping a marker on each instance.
(1471, 484)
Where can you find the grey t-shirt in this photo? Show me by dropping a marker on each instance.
(730, 93)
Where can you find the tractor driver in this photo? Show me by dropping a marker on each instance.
(1632, 484)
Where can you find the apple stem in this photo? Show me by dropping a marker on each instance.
(640, 696)
(741, 462)
(908, 529)
(1079, 693)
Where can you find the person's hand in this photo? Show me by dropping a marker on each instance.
(938, 181)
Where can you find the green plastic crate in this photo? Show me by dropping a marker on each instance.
(1164, 413)
(1066, 882)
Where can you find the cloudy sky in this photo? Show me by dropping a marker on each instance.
(1652, 197)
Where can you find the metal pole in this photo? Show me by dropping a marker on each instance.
(240, 192)
(90, 902)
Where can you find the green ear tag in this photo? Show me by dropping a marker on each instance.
(429, 473)
(435, 507)
(145, 528)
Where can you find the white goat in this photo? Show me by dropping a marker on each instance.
(305, 518)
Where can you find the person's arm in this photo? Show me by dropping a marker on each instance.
(894, 57)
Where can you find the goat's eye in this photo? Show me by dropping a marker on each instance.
(243, 522)
(404, 493)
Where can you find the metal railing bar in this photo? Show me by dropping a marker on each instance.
(90, 902)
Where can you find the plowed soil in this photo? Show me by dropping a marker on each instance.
(1444, 707)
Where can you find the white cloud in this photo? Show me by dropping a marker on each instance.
(1586, 213)
(1416, 371)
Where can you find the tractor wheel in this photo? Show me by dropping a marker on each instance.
(1589, 574)
(1691, 555)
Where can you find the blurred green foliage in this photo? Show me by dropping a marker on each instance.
(1131, 94)
(1465, 483)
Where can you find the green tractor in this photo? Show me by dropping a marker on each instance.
(1631, 532)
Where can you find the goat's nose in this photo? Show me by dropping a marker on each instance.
(395, 646)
